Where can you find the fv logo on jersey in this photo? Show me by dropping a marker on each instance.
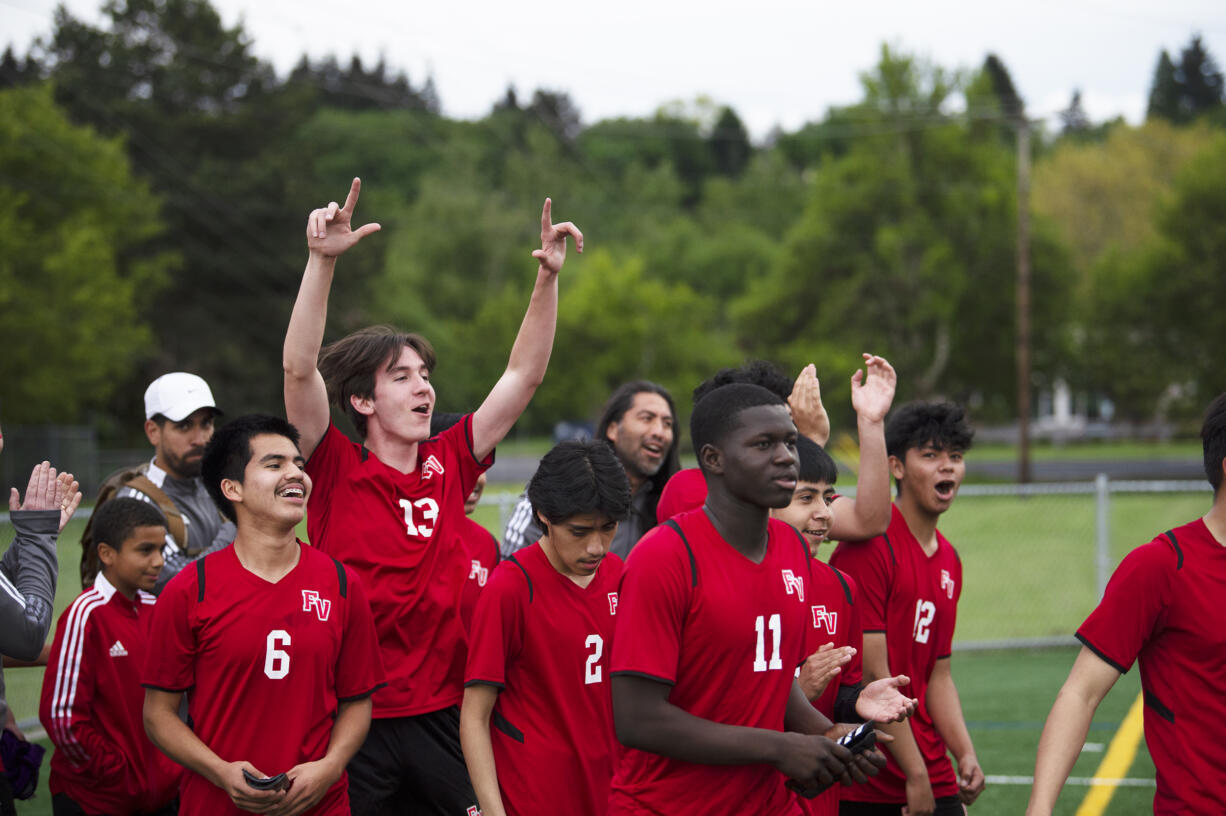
(947, 584)
(823, 619)
(478, 572)
(612, 603)
(794, 584)
(431, 466)
(311, 600)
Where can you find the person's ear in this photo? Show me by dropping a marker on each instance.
(232, 489)
(897, 468)
(712, 458)
(363, 405)
(153, 432)
(107, 554)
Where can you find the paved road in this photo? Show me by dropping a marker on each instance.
(518, 469)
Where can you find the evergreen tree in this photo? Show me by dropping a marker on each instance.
(730, 143)
(1073, 119)
(1200, 81)
(1165, 91)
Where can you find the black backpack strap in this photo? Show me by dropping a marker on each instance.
(527, 578)
(688, 549)
(1170, 535)
(342, 580)
(199, 580)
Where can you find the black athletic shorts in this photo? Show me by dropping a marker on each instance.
(64, 805)
(412, 765)
(946, 806)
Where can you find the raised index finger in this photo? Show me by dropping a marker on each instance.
(351, 200)
(547, 218)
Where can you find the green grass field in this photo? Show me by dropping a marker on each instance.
(1028, 572)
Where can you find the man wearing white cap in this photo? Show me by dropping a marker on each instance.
(179, 412)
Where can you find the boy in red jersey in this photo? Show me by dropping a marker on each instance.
(479, 543)
(1162, 609)
(909, 581)
(393, 507)
(713, 617)
(92, 697)
(274, 639)
(537, 666)
(835, 636)
(872, 392)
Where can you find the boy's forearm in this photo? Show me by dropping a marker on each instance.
(479, 749)
(174, 739)
(945, 708)
(348, 732)
(305, 334)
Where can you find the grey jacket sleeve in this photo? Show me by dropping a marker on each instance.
(176, 559)
(27, 583)
(521, 531)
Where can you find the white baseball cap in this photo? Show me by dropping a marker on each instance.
(177, 396)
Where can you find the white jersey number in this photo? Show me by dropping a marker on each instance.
(276, 659)
(425, 511)
(761, 625)
(592, 673)
(925, 611)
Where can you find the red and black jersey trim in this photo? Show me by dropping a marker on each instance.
(1157, 705)
(183, 690)
(689, 550)
(1085, 642)
(200, 580)
(479, 682)
(527, 577)
(1170, 535)
(342, 580)
(361, 696)
(889, 546)
(506, 726)
(645, 675)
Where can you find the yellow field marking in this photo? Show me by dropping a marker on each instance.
(1116, 762)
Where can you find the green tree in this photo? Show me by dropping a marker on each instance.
(1164, 91)
(1181, 93)
(77, 270)
(1156, 327)
(907, 249)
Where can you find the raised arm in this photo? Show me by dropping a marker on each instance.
(29, 569)
(868, 514)
(808, 413)
(534, 343)
(330, 234)
(1064, 734)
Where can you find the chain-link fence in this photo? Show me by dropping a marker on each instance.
(1035, 557)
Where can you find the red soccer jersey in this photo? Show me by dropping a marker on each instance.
(684, 491)
(833, 618)
(402, 533)
(483, 557)
(727, 634)
(913, 599)
(267, 664)
(1163, 608)
(543, 640)
(92, 705)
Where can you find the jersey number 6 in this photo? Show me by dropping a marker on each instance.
(276, 659)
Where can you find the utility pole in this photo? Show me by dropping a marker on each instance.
(1023, 300)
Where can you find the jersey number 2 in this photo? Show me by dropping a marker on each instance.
(276, 659)
(761, 625)
(592, 673)
(925, 611)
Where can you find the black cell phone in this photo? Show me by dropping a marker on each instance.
(860, 740)
(278, 782)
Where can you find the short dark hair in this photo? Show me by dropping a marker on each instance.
(440, 422)
(617, 406)
(815, 464)
(115, 520)
(755, 372)
(228, 452)
(916, 424)
(1213, 440)
(578, 477)
(348, 366)
(715, 414)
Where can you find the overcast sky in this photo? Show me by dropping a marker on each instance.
(776, 62)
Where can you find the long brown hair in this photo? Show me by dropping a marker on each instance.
(349, 365)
